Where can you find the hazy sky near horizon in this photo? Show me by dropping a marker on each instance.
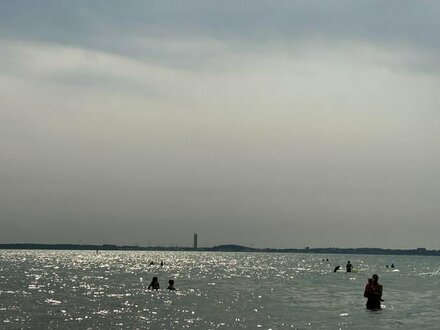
(264, 123)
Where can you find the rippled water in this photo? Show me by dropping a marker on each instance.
(82, 289)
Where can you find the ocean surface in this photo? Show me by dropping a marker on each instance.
(108, 290)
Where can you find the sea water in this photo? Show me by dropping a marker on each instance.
(108, 290)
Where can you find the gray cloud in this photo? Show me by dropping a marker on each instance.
(278, 124)
(141, 29)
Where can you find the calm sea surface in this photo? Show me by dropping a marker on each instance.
(82, 289)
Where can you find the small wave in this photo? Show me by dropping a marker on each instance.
(53, 302)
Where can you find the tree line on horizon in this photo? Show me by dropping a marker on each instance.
(218, 248)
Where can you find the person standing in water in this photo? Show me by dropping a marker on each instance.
(373, 293)
(154, 285)
(349, 267)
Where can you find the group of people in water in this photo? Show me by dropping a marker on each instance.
(348, 267)
(373, 290)
(154, 285)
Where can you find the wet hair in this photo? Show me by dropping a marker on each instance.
(375, 277)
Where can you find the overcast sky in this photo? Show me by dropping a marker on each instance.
(261, 123)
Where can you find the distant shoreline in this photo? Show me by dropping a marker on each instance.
(219, 248)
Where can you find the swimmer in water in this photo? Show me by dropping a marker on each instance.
(373, 293)
(370, 287)
(349, 267)
(154, 285)
(171, 285)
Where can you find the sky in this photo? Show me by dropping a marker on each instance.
(262, 123)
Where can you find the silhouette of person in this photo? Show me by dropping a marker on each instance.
(154, 285)
(392, 265)
(161, 264)
(373, 293)
(349, 267)
(151, 263)
(171, 285)
(370, 285)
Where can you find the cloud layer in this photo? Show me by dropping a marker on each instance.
(281, 124)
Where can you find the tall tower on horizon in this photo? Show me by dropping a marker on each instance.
(195, 240)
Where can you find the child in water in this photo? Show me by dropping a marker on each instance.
(369, 287)
(154, 285)
(171, 285)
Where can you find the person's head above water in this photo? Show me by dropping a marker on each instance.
(171, 286)
(375, 277)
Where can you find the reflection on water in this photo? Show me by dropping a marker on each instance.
(65, 289)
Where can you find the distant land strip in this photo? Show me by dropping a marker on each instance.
(218, 248)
